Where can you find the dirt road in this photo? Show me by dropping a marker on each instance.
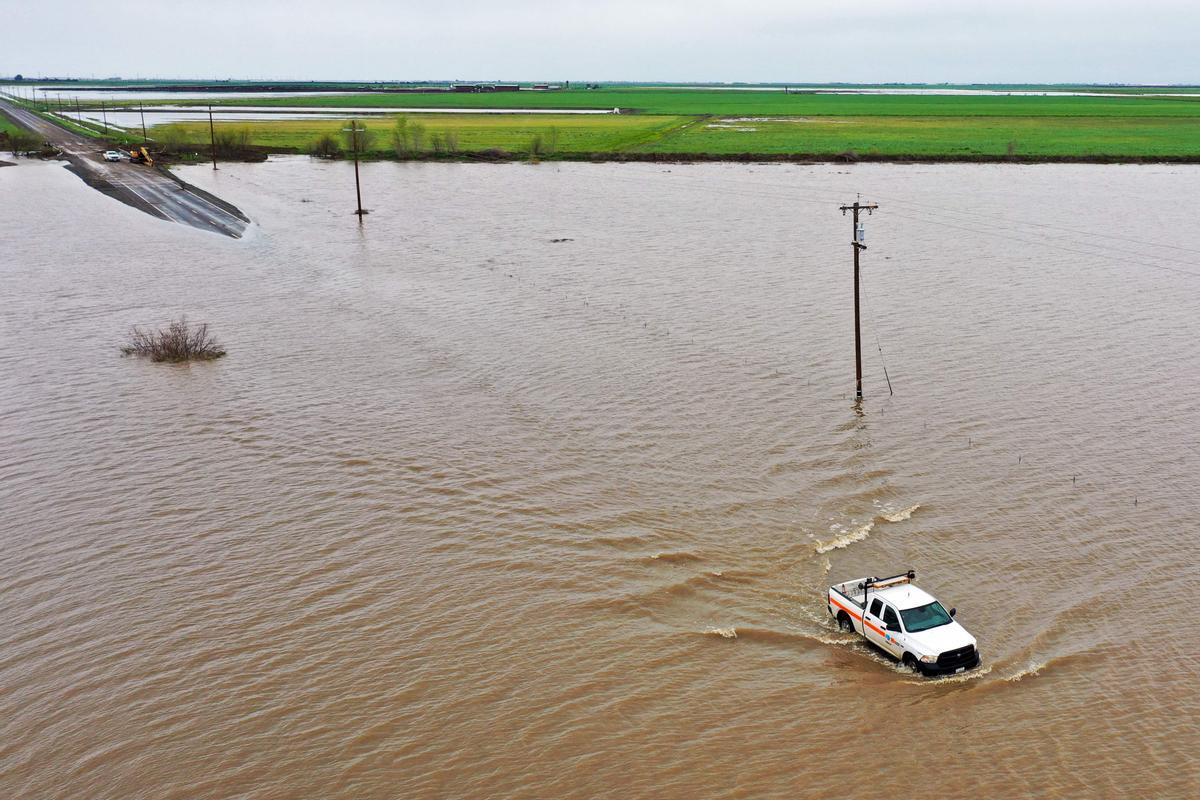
(152, 190)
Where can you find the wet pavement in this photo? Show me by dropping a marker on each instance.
(153, 190)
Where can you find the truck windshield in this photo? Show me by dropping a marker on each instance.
(922, 618)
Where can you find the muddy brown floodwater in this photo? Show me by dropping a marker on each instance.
(531, 486)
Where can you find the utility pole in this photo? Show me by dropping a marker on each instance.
(857, 243)
(212, 137)
(104, 116)
(142, 110)
(353, 130)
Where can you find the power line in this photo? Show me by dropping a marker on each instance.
(994, 230)
(878, 345)
(961, 211)
(790, 189)
(1049, 226)
(1089, 253)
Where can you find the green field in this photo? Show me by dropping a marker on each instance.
(941, 137)
(931, 137)
(511, 133)
(6, 126)
(702, 123)
(731, 123)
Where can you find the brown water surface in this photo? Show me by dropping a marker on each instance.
(471, 512)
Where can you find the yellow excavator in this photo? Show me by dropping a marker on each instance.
(140, 155)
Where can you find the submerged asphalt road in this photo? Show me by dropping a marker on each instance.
(152, 190)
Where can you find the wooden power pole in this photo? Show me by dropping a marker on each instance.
(212, 137)
(857, 243)
(354, 130)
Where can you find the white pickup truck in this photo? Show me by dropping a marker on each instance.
(905, 622)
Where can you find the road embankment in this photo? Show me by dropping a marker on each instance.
(155, 191)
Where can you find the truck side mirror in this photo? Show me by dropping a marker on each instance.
(953, 611)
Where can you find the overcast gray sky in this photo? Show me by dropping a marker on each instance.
(1152, 41)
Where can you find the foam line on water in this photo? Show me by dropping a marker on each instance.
(901, 515)
(845, 538)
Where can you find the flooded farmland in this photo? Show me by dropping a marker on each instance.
(531, 485)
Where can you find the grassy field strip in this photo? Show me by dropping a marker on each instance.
(647, 140)
(940, 136)
(511, 133)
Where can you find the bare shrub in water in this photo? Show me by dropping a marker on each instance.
(402, 137)
(179, 341)
(416, 135)
(325, 146)
(233, 143)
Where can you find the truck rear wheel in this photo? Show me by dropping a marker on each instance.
(844, 622)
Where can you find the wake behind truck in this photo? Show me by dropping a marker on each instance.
(905, 622)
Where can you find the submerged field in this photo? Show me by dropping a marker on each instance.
(531, 485)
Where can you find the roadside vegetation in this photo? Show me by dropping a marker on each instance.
(112, 135)
(179, 341)
(20, 142)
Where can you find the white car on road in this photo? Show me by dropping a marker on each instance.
(112, 155)
(905, 622)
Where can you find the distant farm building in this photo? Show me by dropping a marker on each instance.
(485, 87)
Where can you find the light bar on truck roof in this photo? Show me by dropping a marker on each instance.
(895, 580)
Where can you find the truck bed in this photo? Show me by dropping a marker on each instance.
(851, 590)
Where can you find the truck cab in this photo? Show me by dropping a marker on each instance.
(904, 621)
